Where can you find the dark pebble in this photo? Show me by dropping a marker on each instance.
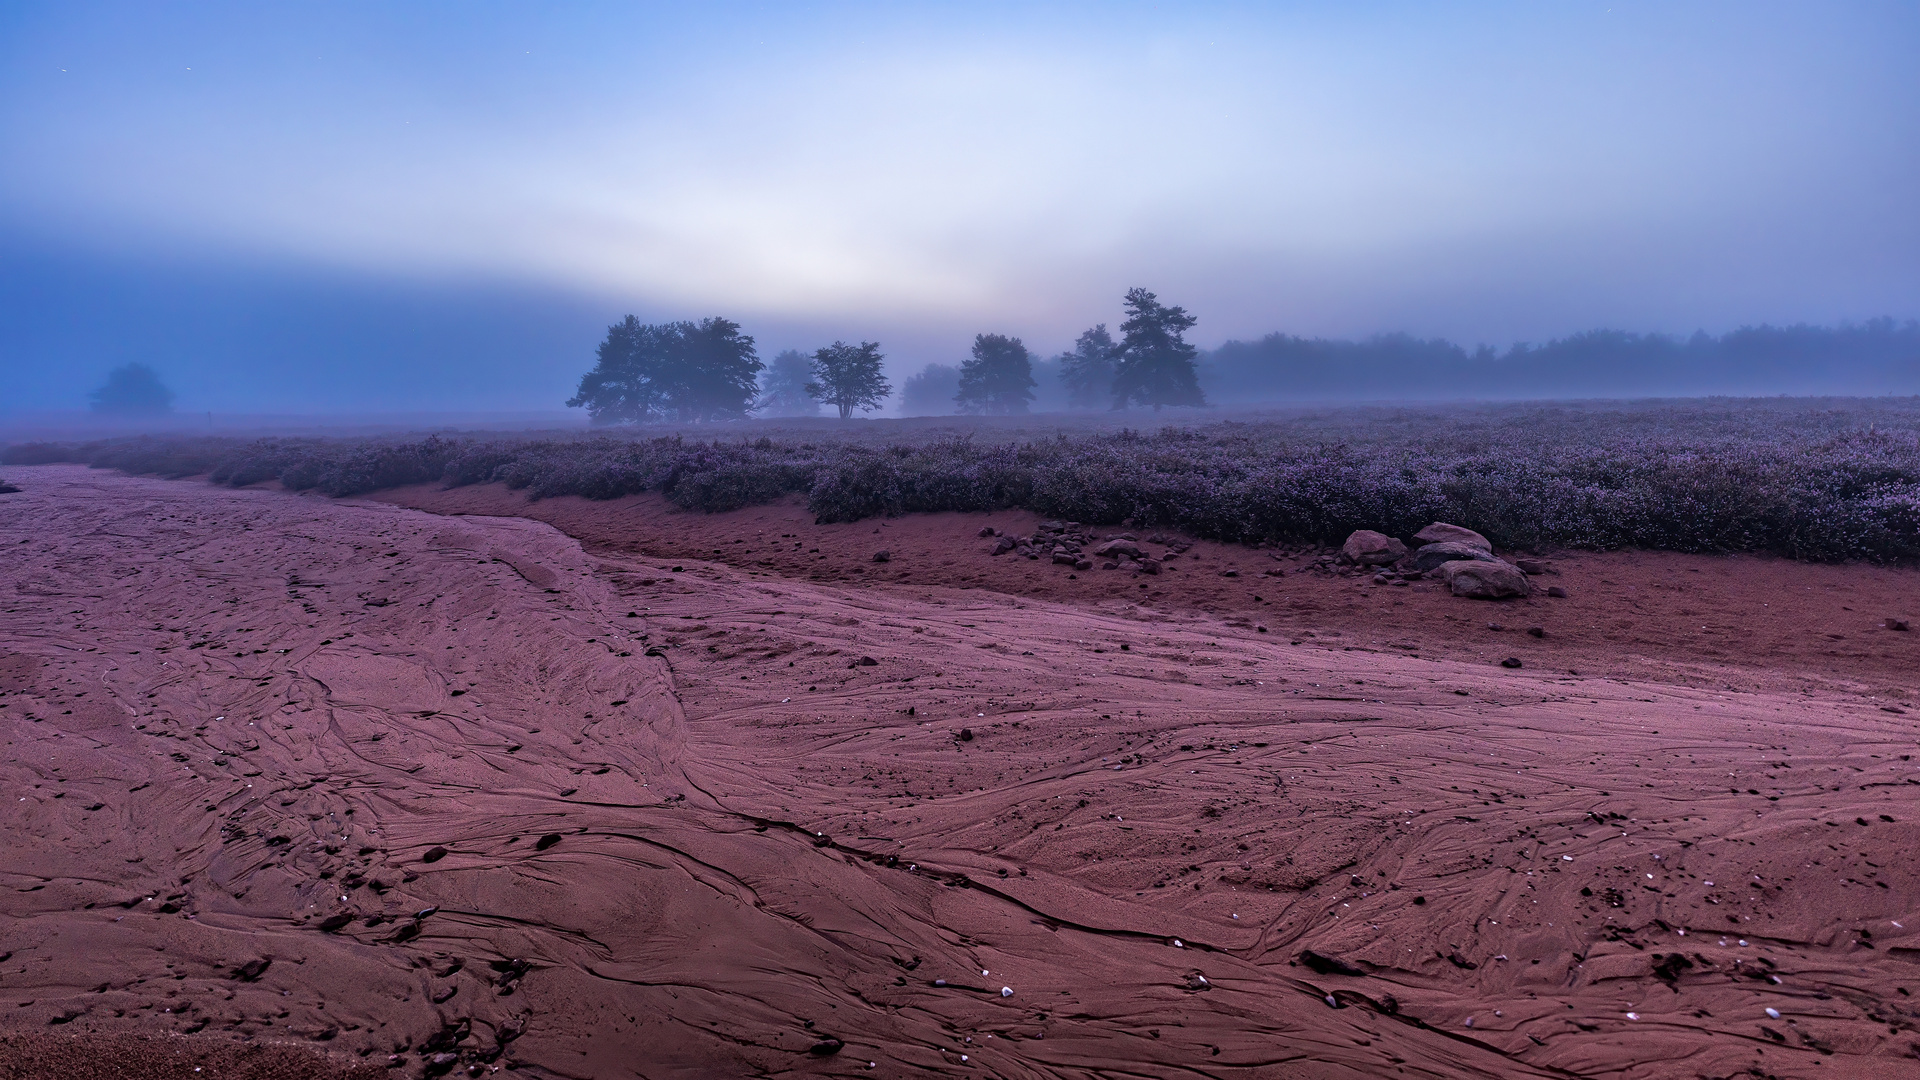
(434, 854)
(547, 841)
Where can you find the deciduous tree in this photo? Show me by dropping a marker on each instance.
(848, 377)
(999, 377)
(132, 390)
(647, 372)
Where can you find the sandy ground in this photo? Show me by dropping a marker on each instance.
(388, 784)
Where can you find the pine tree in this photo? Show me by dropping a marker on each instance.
(848, 377)
(1154, 364)
(1088, 368)
(999, 378)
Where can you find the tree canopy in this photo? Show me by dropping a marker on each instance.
(1154, 364)
(132, 390)
(1087, 369)
(648, 372)
(848, 377)
(783, 386)
(999, 377)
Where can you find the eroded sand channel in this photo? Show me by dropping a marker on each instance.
(235, 717)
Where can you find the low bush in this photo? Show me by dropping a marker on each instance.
(1808, 479)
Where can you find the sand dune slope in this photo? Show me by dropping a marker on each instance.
(397, 784)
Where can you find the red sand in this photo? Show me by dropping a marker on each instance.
(226, 711)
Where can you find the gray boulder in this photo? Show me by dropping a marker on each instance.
(1113, 549)
(1435, 555)
(1484, 579)
(1442, 533)
(1368, 548)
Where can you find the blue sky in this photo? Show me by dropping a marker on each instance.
(411, 205)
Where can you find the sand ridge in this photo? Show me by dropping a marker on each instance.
(689, 830)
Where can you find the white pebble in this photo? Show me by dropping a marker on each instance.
(1332, 1002)
(1178, 944)
(1633, 1016)
(1566, 858)
(1469, 1021)
(1773, 1014)
(1006, 991)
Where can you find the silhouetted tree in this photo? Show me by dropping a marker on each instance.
(931, 391)
(848, 377)
(1154, 365)
(132, 390)
(999, 378)
(682, 370)
(783, 386)
(1087, 368)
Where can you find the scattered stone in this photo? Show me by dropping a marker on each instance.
(1556, 592)
(335, 922)
(867, 661)
(253, 969)
(1148, 567)
(1536, 631)
(825, 1048)
(1368, 548)
(546, 841)
(1442, 533)
(1063, 557)
(1898, 624)
(966, 734)
(1230, 573)
(988, 530)
(434, 854)
(1510, 662)
(1534, 566)
(1083, 564)
(1440, 553)
(1484, 580)
(1004, 545)
(1115, 548)
(883, 556)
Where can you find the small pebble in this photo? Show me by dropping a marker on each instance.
(1773, 1014)
(1006, 991)
(1633, 1016)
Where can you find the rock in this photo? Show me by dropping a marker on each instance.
(1442, 533)
(1004, 545)
(1083, 564)
(1368, 548)
(883, 556)
(1113, 549)
(1322, 964)
(1148, 566)
(1898, 624)
(1446, 551)
(546, 841)
(866, 661)
(966, 734)
(1229, 573)
(1063, 557)
(335, 922)
(987, 530)
(1534, 566)
(825, 1048)
(1484, 580)
(434, 854)
(1510, 662)
(1537, 631)
(1556, 592)
(253, 969)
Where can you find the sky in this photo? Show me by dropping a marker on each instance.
(416, 206)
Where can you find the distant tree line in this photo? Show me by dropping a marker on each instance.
(709, 370)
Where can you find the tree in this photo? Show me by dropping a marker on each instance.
(931, 392)
(848, 377)
(132, 390)
(999, 378)
(783, 386)
(1088, 368)
(665, 371)
(1154, 365)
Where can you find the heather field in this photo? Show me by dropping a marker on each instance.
(1814, 479)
